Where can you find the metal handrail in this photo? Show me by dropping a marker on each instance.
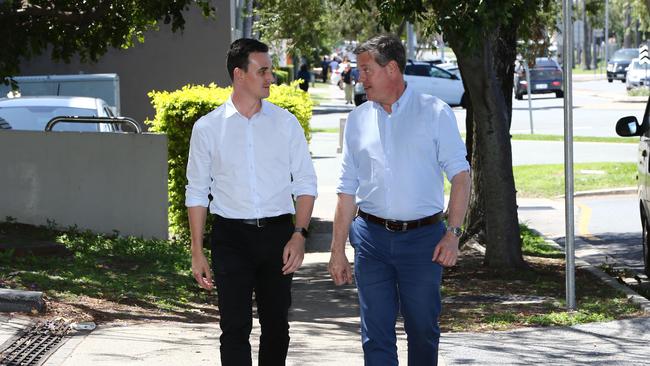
(77, 119)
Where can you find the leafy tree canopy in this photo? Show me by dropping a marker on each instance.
(84, 27)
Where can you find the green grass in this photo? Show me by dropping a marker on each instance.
(534, 245)
(149, 273)
(590, 310)
(537, 137)
(548, 180)
(636, 92)
(325, 130)
(533, 137)
(600, 69)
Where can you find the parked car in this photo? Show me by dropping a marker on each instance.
(637, 75)
(617, 65)
(33, 113)
(428, 79)
(629, 126)
(545, 77)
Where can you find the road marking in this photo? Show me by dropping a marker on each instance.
(583, 222)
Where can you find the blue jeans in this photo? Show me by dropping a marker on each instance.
(394, 272)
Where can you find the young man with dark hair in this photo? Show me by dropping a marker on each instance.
(397, 148)
(252, 157)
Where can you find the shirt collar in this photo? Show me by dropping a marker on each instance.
(232, 110)
(400, 102)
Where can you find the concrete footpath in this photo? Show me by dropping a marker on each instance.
(325, 318)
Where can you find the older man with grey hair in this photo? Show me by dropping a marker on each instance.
(397, 149)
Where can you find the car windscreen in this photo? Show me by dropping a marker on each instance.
(35, 118)
(626, 54)
(545, 63)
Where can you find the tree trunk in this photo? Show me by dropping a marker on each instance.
(487, 73)
(586, 40)
(627, 26)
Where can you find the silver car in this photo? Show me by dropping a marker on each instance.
(33, 113)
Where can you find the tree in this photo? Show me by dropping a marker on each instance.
(84, 27)
(301, 23)
(484, 35)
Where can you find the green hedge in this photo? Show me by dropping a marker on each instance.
(176, 113)
(281, 77)
(288, 70)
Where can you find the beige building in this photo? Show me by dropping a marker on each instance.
(165, 61)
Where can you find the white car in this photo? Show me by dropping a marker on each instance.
(637, 75)
(33, 113)
(630, 126)
(427, 79)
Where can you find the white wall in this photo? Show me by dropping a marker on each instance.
(97, 181)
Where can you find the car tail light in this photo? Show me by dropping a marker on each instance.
(556, 83)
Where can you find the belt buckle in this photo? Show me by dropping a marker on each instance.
(403, 228)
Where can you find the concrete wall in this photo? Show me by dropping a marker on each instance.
(165, 61)
(97, 181)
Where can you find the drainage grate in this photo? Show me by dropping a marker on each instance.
(33, 346)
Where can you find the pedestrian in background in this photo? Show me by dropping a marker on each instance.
(251, 156)
(325, 66)
(348, 83)
(396, 149)
(305, 75)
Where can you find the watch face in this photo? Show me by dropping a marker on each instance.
(456, 231)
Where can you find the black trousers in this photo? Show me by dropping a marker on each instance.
(247, 259)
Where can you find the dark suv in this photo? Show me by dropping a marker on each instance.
(629, 126)
(617, 65)
(545, 77)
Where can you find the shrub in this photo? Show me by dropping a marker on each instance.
(281, 77)
(288, 70)
(176, 113)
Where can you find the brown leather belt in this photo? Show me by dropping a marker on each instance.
(397, 225)
(261, 222)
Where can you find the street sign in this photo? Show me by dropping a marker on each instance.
(644, 58)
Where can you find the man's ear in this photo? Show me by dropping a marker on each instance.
(238, 73)
(393, 68)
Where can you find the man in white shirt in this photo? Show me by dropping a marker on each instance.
(397, 148)
(252, 157)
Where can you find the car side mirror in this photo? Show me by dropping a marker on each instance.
(628, 126)
(454, 77)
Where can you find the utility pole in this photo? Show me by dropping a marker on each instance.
(568, 158)
(606, 32)
(410, 41)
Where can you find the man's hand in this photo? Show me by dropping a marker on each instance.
(446, 252)
(339, 268)
(294, 253)
(201, 271)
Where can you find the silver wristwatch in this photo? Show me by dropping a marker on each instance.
(455, 230)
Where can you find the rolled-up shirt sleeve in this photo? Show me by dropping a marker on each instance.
(349, 178)
(302, 168)
(451, 148)
(198, 169)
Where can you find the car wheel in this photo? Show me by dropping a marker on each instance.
(646, 240)
(519, 96)
(609, 80)
(623, 81)
(559, 94)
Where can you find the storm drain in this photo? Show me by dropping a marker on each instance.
(33, 346)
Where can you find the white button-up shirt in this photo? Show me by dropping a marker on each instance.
(250, 166)
(394, 163)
